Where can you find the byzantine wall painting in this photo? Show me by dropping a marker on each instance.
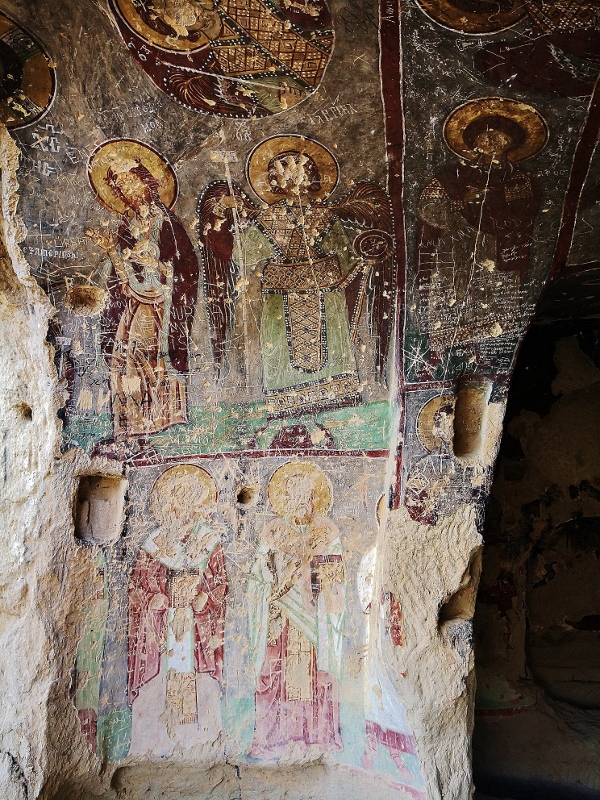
(225, 275)
(222, 628)
(498, 198)
(250, 302)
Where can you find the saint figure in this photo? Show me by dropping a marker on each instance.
(314, 279)
(177, 595)
(152, 278)
(296, 606)
(477, 221)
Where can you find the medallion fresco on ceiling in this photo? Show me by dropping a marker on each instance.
(27, 78)
(236, 58)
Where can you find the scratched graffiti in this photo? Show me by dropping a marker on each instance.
(257, 312)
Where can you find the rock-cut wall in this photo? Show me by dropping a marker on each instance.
(268, 273)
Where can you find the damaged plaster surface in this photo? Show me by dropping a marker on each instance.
(262, 306)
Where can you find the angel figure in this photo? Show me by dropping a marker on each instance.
(314, 280)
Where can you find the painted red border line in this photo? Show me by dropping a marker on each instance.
(149, 461)
(390, 69)
(582, 159)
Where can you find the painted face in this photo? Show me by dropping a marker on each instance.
(493, 144)
(442, 425)
(184, 502)
(289, 175)
(300, 491)
(133, 190)
(145, 253)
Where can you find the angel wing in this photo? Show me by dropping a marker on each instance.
(218, 208)
(368, 206)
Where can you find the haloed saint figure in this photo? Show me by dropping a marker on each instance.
(319, 264)
(296, 607)
(477, 220)
(177, 597)
(151, 274)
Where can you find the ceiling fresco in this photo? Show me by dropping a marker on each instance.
(286, 242)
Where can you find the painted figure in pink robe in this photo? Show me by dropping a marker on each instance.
(177, 597)
(296, 596)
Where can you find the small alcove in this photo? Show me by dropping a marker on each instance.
(99, 509)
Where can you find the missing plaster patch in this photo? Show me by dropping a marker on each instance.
(247, 496)
(99, 508)
(25, 411)
(85, 300)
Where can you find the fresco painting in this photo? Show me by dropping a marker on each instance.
(296, 601)
(315, 280)
(235, 59)
(28, 80)
(243, 622)
(265, 329)
(477, 220)
(151, 273)
(177, 600)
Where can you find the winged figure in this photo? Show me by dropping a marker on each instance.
(320, 264)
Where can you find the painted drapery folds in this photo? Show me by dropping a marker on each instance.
(314, 279)
(151, 285)
(235, 59)
(275, 312)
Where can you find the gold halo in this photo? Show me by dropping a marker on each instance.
(166, 483)
(258, 163)
(30, 101)
(134, 151)
(130, 15)
(277, 490)
(526, 117)
(469, 22)
(425, 421)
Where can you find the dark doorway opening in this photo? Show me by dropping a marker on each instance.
(537, 619)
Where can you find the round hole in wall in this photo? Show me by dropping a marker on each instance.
(247, 495)
(25, 411)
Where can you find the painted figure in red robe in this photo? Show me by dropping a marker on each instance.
(296, 606)
(177, 597)
(151, 274)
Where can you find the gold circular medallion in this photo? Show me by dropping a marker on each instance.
(525, 125)
(27, 81)
(266, 152)
(150, 25)
(182, 487)
(122, 155)
(426, 421)
(475, 16)
(298, 484)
